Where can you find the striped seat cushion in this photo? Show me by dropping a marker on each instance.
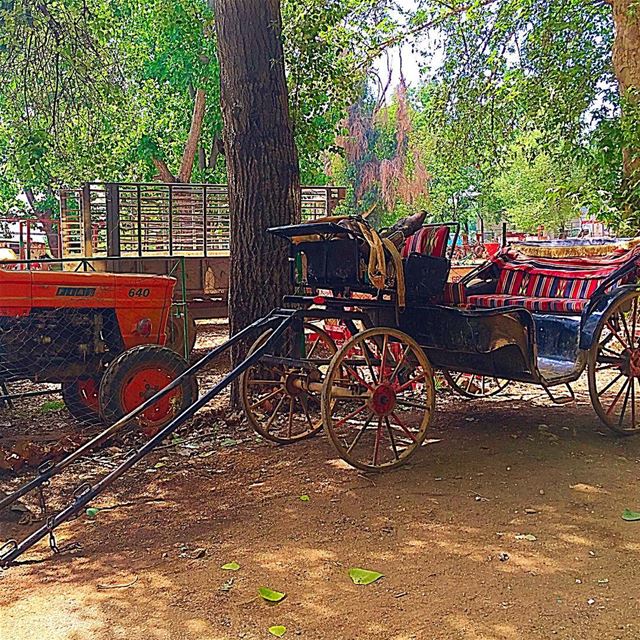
(513, 280)
(428, 241)
(454, 293)
(575, 284)
(556, 305)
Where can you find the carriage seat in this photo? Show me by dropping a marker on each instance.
(430, 240)
(543, 289)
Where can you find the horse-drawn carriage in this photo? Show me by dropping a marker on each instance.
(354, 350)
(373, 320)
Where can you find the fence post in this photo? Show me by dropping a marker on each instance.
(85, 210)
(113, 219)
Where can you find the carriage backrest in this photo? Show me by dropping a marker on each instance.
(430, 240)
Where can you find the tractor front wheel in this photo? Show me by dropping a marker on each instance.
(138, 374)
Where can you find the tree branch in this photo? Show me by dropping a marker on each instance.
(191, 146)
(397, 39)
(163, 171)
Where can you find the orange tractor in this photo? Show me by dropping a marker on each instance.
(101, 335)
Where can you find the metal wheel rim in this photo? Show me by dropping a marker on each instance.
(388, 426)
(611, 366)
(263, 426)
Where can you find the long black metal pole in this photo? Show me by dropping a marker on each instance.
(81, 500)
(47, 470)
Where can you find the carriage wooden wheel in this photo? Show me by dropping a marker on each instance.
(614, 366)
(378, 399)
(474, 385)
(281, 392)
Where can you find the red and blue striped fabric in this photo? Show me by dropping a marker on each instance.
(513, 280)
(428, 241)
(557, 305)
(552, 284)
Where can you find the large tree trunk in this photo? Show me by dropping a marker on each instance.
(626, 65)
(262, 162)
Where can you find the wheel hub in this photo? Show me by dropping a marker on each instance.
(383, 399)
(634, 363)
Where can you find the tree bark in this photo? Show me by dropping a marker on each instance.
(164, 173)
(262, 162)
(191, 146)
(626, 65)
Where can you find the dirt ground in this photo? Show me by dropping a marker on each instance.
(444, 531)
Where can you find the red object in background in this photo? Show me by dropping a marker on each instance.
(492, 248)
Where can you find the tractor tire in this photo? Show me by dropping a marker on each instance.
(81, 397)
(135, 376)
(175, 334)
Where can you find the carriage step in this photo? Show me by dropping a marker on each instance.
(568, 399)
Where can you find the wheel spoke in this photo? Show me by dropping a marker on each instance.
(360, 433)
(615, 400)
(611, 384)
(633, 403)
(305, 409)
(402, 426)
(351, 415)
(617, 335)
(407, 384)
(383, 359)
(635, 318)
(273, 394)
(290, 423)
(626, 329)
(392, 438)
(396, 371)
(313, 347)
(358, 378)
(469, 381)
(274, 414)
(366, 353)
(376, 446)
(624, 404)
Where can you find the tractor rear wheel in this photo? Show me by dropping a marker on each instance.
(80, 396)
(138, 374)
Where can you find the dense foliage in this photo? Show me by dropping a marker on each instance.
(519, 117)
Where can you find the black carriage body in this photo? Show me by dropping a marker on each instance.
(334, 258)
(513, 343)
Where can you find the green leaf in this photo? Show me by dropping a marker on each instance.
(270, 595)
(630, 516)
(363, 576)
(305, 498)
(278, 630)
(92, 512)
(230, 566)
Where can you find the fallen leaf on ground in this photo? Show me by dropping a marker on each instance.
(630, 516)
(363, 576)
(278, 630)
(526, 536)
(230, 566)
(226, 586)
(305, 498)
(270, 595)
(92, 512)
